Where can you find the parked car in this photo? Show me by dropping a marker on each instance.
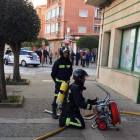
(26, 58)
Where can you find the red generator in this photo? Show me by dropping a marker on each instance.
(107, 114)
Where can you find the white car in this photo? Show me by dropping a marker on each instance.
(26, 58)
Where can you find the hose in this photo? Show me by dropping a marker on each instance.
(91, 114)
(58, 130)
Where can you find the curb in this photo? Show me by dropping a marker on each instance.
(13, 105)
(26, 82)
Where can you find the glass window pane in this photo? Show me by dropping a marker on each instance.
(48, 15)
(53, 13)
(127, 49)
(48, 29)
(137, 54)
(56, 29)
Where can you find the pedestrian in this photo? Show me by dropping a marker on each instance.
(50, 57)
(36, 51)
(74, 100)
(45, 53)
(56, 54)
(40, 55)
(8, 51)
(84, 59)
(94, 56)
(77, 58)
(72, 57)
(87, 59)
(61, 72)
(81, 54)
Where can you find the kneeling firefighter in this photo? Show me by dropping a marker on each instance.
(74, 100)
(61, 73)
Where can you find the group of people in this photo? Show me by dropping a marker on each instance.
(45, 53)
(70, 112)
(84, 56)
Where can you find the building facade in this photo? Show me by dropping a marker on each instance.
(66, 21)
(119, 48)
(41, 10)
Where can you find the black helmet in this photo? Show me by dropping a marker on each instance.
(63, 49)
(79, 74)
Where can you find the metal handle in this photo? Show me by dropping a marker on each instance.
(107, 93)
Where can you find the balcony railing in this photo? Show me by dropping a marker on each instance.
(56, 17)
(97, 18)
(53, 33)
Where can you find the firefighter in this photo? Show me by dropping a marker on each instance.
(61, 72)
(74, 100)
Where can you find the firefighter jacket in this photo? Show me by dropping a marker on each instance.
(74, 100)
(62, 70)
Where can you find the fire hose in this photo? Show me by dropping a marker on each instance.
(88, 115)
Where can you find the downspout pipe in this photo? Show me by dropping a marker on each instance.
(100, 47)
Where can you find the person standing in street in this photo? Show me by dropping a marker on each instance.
(87, 59)
(36, 51)
(40, 55)
(94, 56)
(77, 58)
(45, 53)
(72, 57)
(50, 57)
(81, 55)
(84, 59)
(61, 72)
(8, 51)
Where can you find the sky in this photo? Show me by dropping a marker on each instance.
(38, 2)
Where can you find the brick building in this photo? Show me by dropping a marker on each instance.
(71, 18)
(41, 10)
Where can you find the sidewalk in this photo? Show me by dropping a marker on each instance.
(29, 122)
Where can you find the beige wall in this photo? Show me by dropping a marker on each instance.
(126, 84)
(116, 19)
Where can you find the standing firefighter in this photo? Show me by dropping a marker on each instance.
(74, 100)
(61, 72)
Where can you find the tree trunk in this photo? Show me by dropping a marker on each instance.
(16, 52)
(3, 95)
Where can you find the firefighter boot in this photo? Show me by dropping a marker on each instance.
(54, 115)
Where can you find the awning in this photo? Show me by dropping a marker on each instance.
(99, 3)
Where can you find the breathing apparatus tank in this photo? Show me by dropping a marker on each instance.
(61, 95)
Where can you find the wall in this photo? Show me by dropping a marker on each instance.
(121, 14)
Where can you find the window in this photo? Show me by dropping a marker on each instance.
(82, 29)
(58, 11)
(97, 28)
(137, 55)
(61, 28)
(52, 28)
(62, 12)
(48, 30)
(98, 14)
(48, 15)
(83, 13)
(127, 49)
(53, 13)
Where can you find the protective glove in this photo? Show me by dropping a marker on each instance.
(93, 102)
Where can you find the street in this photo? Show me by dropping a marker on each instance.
(29, 122)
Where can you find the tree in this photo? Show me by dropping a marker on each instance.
(3, 18)
(23, 25)
(38, 43)
(89, 42)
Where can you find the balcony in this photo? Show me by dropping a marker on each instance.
(99, 3)
(54, 19)
(54, 2)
